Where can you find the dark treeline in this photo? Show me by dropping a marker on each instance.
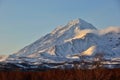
(58, 74)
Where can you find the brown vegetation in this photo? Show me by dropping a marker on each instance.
(73, 74)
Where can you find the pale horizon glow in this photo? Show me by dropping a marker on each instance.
(24, 21)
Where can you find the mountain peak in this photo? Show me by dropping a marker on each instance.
(82, 24)
(76, 21)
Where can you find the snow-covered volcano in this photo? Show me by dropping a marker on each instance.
(57, 37)
(78, 37)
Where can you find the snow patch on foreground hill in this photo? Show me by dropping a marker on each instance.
(3, 57)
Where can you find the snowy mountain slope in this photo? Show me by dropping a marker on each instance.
(78, 37)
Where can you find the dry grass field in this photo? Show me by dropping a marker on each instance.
(57, 74)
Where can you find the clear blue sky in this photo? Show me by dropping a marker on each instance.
(24, 21)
